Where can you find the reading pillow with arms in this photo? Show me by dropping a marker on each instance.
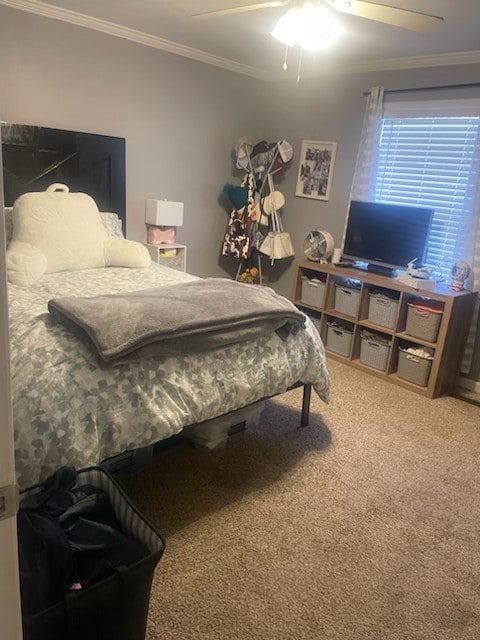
(56, 230)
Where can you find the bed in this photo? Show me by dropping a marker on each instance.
(70, 408)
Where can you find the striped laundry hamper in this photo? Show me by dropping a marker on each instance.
(117, 606)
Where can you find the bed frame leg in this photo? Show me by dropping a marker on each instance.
(307, 392)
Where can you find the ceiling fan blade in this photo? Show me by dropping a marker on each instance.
(243, 9)
(404, 18)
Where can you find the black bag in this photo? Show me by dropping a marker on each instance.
(115, 606)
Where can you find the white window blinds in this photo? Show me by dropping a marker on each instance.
(433, 161)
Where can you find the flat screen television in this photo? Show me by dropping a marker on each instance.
(386, 236)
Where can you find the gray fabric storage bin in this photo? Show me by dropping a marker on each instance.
(313, 291)
(382, 310)
(374, 351)
(347, 299)
(423, 320)
(413, 368)
(339, 339)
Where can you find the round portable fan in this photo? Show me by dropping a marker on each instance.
(318, 245)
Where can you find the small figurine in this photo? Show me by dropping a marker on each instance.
(460, 272)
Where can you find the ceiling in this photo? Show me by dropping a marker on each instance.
(243, 42)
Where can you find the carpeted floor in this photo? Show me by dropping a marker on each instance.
(363, 526)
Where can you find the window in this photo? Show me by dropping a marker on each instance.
(426, 157)
(427, 153)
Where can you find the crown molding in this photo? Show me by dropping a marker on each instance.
(386, 64)
(411, 62)
(88, 22)
(73, 17)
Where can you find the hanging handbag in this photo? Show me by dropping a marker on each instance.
(282, 243)
(267, 245)
(239, 236)
(278, 244)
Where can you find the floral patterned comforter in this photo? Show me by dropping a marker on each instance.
(68, 409)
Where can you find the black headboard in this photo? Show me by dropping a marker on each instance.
(35, 157)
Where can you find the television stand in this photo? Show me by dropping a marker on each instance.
(322, 291)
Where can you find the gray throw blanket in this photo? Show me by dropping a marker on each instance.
(178, 319)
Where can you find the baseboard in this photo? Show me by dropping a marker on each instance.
(468, 383)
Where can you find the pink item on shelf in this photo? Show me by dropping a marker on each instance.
(156, 235)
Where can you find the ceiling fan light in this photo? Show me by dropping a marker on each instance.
(320, 28)
(287, 28)
(309, 26)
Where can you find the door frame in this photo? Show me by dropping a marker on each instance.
(10, 609)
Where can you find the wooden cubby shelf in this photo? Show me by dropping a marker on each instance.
(447, 348)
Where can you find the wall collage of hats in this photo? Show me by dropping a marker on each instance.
(255, 227)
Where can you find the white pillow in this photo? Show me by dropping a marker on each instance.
(110, 221)
(61, 231)
(112, 224)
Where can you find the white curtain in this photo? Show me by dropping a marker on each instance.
(363, 187)
(474, 284)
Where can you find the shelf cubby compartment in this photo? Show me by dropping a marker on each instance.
(381, 307)
(346, 297)
(310, 288)
(414, 367)
(423, 318)
(312, 293)
(338, 336)
(375, 349)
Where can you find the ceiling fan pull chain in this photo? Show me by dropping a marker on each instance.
(285, 65)
(299, 68)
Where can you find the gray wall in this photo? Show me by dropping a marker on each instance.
(180, 119)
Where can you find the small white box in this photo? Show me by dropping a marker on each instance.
(164, 213)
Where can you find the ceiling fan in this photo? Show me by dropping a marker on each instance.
(396, 16)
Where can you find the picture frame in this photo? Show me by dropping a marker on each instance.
(315, 170)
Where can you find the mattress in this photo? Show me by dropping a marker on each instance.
(70, 410)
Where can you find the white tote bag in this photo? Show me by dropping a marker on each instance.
(267, 245)
(282, 243)
(282, 246)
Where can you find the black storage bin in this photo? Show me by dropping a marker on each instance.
(117, 606)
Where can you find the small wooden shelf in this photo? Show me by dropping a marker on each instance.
(447, 348)
(170, 255)
(405, 336)
(376, 327)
